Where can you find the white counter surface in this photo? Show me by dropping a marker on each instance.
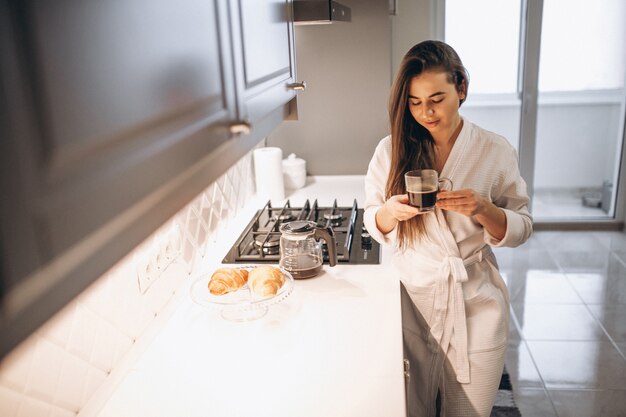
(332, 348)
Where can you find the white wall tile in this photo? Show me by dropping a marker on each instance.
(56, 371)
(91, 383)
(83, 334)
(98, 296)
(165, 287)
(45, 372)
(31, 407)
(69, 389)
(9, 402)
(109, 341)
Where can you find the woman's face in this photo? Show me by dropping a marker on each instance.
(434, 103)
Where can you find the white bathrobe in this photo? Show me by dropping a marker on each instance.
(457, 338)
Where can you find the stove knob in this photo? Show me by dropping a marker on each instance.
(366, 241)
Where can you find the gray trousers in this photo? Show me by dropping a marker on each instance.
(431, 372)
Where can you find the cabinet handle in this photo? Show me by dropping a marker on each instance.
(297, 86)
(407, 381)
(240, 128)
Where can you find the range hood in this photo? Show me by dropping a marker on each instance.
(317, 12)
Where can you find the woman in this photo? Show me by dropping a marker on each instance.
(455, 324)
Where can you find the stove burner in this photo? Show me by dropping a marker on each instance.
(271, 247)
(335, 219)
(283, 218)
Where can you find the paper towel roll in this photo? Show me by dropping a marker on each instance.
(268, 173)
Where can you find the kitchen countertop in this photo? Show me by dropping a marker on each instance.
(332, 348)
(327, 188)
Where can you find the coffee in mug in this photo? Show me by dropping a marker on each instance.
(424, 199)
(422, 186)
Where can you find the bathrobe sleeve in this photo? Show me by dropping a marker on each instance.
(375, 183)
(510, 194)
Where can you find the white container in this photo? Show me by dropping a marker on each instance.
(268, 173)
(294, 172)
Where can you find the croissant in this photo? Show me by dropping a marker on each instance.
(226, 280)
(265, 281)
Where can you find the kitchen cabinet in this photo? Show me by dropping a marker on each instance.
(268, 74)
(115, 114)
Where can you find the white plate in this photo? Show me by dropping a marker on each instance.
(240, 305)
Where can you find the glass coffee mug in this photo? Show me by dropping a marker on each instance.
(422, 186)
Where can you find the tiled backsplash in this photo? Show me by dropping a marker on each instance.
(60, 366)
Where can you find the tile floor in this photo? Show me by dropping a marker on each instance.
(567, 347)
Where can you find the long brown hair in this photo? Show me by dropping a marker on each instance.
(412, 146)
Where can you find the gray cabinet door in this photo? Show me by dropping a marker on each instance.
(130, 95)
(111, 112)
(264, 55)
(115, 114)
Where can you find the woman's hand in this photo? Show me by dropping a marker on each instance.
(398, 206)
(470, 203)
(395, 209)
(467, 202)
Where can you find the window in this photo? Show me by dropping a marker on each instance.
(574, 56)
(583, 48)
(485, 33)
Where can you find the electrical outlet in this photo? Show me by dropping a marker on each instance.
(155, 260)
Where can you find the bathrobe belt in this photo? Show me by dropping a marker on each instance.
(452, 301)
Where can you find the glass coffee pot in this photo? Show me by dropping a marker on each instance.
(300, 250)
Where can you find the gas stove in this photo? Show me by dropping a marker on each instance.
(260, 240)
